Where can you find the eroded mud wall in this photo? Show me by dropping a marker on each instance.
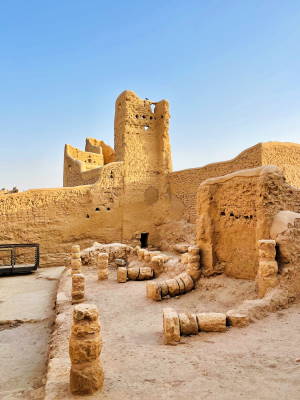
(184, 184)
(237, 210)
(58, 218)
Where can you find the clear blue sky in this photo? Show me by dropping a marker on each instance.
(230, 69)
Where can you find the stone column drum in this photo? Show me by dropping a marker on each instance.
(78, 283)
(75, 259)
(86, 374)
(122, 274)
(102, 266)
(266, 277)
(181, 284)
(186, 323)
(193, 263)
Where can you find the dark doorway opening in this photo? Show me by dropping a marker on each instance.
(144, 239)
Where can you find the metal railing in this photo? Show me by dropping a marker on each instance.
(14, 267)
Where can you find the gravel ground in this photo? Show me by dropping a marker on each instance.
(261, 361)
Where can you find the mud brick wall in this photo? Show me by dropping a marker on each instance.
(237, 210)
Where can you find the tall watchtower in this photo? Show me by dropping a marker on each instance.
(142, 138)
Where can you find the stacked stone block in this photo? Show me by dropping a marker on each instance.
(267, 274)
(122, 274)
(193, 263)
(140, 254)
(86, 374)
(237, 318)
(181, 284)
(75, 259)
(135, 250)
(171, 326)
(176, 325)
(157, 263)
(134, 274)
(102, 266)
(78, 283)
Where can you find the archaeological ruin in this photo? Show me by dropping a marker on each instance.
(137, 238)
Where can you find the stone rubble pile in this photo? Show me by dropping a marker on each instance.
(156, 259)
(114, 251)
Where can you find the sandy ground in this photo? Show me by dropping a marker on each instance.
(26, 319)
(259, 362)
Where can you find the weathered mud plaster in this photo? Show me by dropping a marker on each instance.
(116, 194)
(235, 212)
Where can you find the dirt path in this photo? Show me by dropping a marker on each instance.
(26, 319)
(260, 362)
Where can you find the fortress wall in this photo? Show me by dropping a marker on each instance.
(107, 200)
(77, 177)
(142, 142)
(58, 218)
(93, 145)
(76, 173)
(141, 137)
(237, 210)
(286, 156)
(184, 184)
(76, 162)
(110, 175)
(146, 208)
(89, 159)
(98, 146)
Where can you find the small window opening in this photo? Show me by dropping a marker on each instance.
(161, 116)
(87, 216)
(144, 116)
(108, 208)
(111, 174)
(222, 213)
(69, 166)
(146, 127)
(144, 239)
(152, 107)
(231, 214)
(151, 117)
(97, 209)
(136, 116)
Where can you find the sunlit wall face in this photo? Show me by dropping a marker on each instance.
(230, 71)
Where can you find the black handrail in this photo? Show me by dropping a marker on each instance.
(13, 257)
